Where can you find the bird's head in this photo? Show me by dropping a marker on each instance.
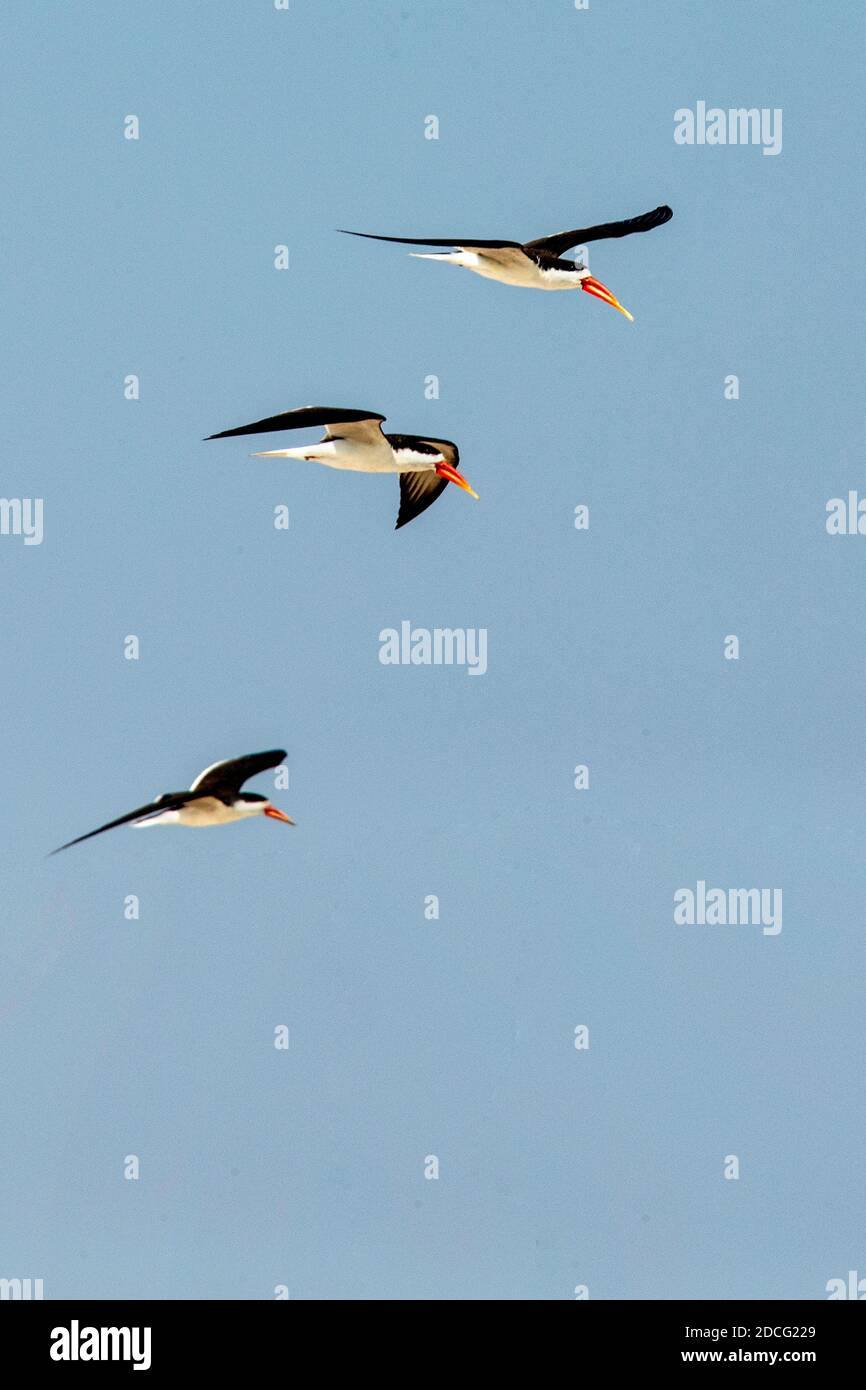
(599, 291)
(446, 463)
(260, 806)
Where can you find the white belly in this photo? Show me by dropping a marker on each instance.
(357, 458)
(206, 811)
(524, 275)
(349, 454)
(520, 271)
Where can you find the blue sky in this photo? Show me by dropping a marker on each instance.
(411, 1037)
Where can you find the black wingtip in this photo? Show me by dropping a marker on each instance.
(659, 216)
(69, 843)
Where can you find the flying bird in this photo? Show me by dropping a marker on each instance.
(215, 798)
(535, 265)
(355, 440)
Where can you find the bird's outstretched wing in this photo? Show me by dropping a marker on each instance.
(229, 776)
(465, 243)
(337, 422)
(172, 801)
(418, 491)
(562, 241)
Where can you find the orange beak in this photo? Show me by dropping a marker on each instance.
(446, 471)
(276, 814)
(600, 291)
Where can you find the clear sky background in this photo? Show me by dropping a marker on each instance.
(411, 1037)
